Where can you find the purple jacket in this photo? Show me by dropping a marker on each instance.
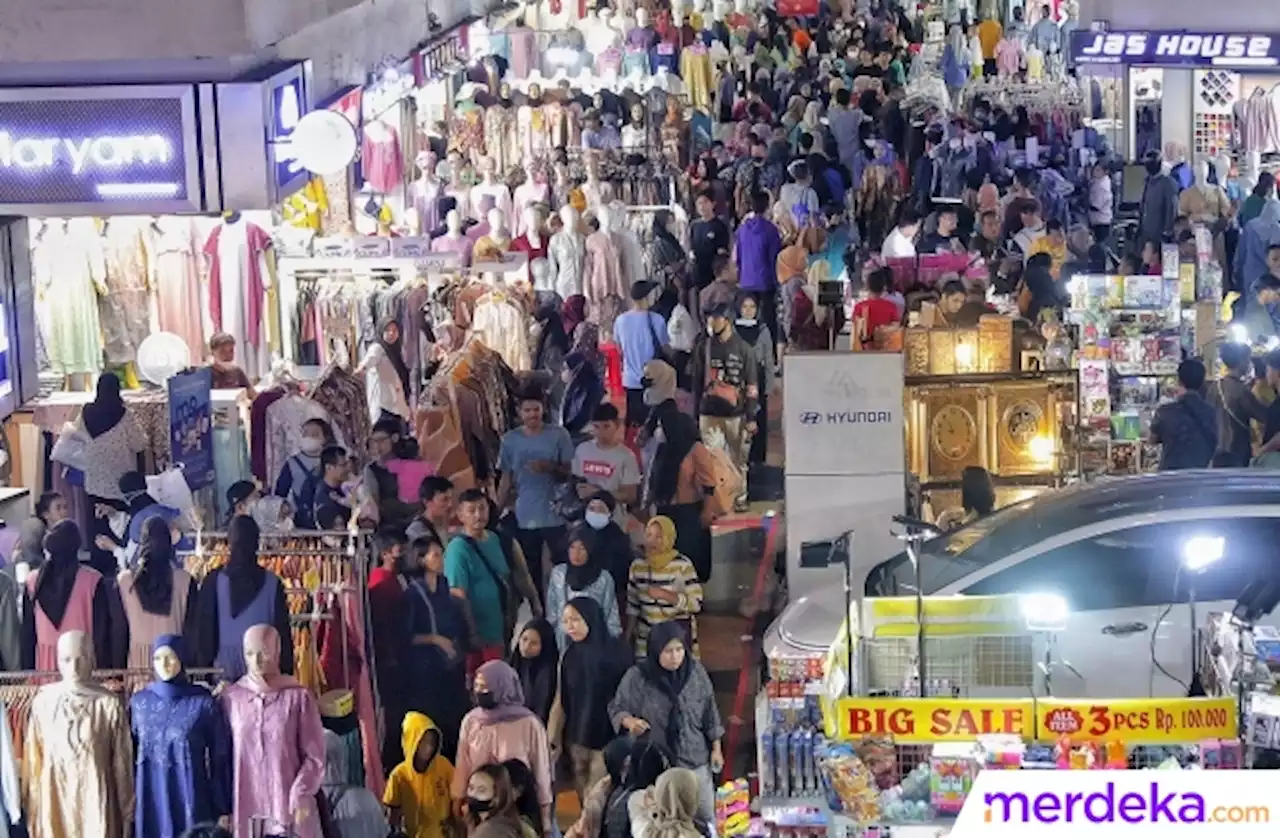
(758, 247)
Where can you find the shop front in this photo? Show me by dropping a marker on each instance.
(1184, 93)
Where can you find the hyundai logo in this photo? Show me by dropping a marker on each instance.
(846, 417)
(810, 417)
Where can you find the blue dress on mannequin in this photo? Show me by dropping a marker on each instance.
(183, 773)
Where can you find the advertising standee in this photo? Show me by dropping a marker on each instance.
(191, 425)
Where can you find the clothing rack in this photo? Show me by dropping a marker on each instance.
(102, 674)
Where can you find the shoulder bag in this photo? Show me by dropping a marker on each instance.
(507, 595)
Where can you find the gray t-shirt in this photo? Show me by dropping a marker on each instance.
(608, 468)
(535, 491)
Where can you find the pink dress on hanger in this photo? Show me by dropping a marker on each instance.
(380, 161)
(178, 284)
(602, 272)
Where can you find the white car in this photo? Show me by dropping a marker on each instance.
(1114, 550)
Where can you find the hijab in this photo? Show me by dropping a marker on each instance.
(153, 580)
(538, 675)
(591, 671)
(812, 118)
(58, 575)
(244, 575)
(748, 332)
(504, 683)
(680, 435)
(615, 759)
(573, 312)
(581, 578)
(666, 550)
(107, 408)
(393, 350)
(552, 335)
(793, 261)
(179, 684)
(272, 680)
(582, 394)
(670, 684)
(667, 245)
(675, 797)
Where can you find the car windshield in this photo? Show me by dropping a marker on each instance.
(953, 555)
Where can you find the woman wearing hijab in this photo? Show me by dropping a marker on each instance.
(157, 596)
(63, 596)
(645, 763)
(583, 393)
(760, 339)
(593, 664)
(353, 811)
(582, 576)
(590, 822)
(550, 352)
(666, 254)
(536, 659)
(501, 727)
(386, 377)
(233, 598)
(670, 808)
(682, 485)
(611, 546)
(115, 441)
(669, 696)
(663, 587)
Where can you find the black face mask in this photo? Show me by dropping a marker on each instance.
(478, 807)
(486, 701)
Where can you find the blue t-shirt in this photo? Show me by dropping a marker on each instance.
(634, 332)
(463, 569)
(534, 491)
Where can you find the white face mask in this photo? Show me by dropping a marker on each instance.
(746, 321)
(311, 446)
(596, 520)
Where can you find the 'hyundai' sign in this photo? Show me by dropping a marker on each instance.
(1175, 48)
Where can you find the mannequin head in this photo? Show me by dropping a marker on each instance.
(535, 94)
(75, 657)
(1202, 173)
(642, 18)
(540, 270)
(637, 115)
(497, 220)
(262, 651)
(453, 222)
(533, 220)
(569, 216)
(166, 659)
(427, 162)
(487, 166)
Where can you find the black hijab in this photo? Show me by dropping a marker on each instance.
(552, 334)
(538, 675)
(153, 581)
(58, 575)
(245, 575)
(582, 394)
(580, 578)
(590, 673)
(393, 350)
(107, 408)
(680, 435)
(666, 246)
(749, 333)
(671, 684)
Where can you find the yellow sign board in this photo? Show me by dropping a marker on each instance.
(922, 720)
(1139, 721)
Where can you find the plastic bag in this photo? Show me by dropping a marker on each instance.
(170, 488)
(70, 447)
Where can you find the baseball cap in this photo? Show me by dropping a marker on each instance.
(642, 289)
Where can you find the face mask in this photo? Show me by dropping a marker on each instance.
(478, 807)
(597, 520)
(312, 446)
(746, 321)
(485, 700)
(871, 144)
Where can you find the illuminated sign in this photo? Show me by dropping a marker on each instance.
(288, 106)
(1179, 47)
(93, 149)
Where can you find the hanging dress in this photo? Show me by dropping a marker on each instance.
(177, 284)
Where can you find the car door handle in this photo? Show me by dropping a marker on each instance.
(1124, 629)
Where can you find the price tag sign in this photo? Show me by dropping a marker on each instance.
(1145, 721)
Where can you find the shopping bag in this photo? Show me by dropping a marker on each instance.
(170, 488)
(70, 448)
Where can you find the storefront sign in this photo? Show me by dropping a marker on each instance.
(1175, 48)
(98, 149)
(1146, 721)
(442, 58)
(191, 425)
(923, 720)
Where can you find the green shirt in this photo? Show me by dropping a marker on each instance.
(473, 573)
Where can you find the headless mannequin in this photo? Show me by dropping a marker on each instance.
(171, 705)
(1204, 203)
(498, 241)
(457, 188)
(278, 742)
(453, 241)
(532, 242)
(540, 275)
(565, 253)
(534, 190)
(592, 188)
(602, 276)
(489, 187)
(425, 192)
(630, 251)
(78, 729)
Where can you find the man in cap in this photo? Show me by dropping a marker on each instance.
(728, 387)
(642, 336)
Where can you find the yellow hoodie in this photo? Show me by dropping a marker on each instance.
(421, 797)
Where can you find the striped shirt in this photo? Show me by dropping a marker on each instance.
(678, 576)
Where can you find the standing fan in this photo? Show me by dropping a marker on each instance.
(161, 356)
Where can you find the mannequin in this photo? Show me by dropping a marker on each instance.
(602, 272)
(535, 190)
(592, 188)
(78, 764)
(457, 188)
(453, 241)
(634, 137)
(1072, 22)
(424, 192)
(565, 253)
(531, 241)
(1035, 63)
(627, 243)
(184, 749)
(277, 742)
(481, 226)
(643, 36)
(241, 270)
(490, 247)
(490, 187)
(540, 275)
(1205, 202)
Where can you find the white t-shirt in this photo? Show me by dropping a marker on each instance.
(382, 385)
(898, 246)
(681, 329)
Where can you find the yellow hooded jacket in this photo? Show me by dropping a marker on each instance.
(422, 797)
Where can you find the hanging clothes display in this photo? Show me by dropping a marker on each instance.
(240, 267)
(177, 283)
(380, 161)
(70, 273)
(501, 324)
(123, 309)
(696, 73)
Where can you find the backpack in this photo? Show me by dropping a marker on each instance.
(305, 491)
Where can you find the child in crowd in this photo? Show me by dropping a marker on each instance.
(417, 792)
